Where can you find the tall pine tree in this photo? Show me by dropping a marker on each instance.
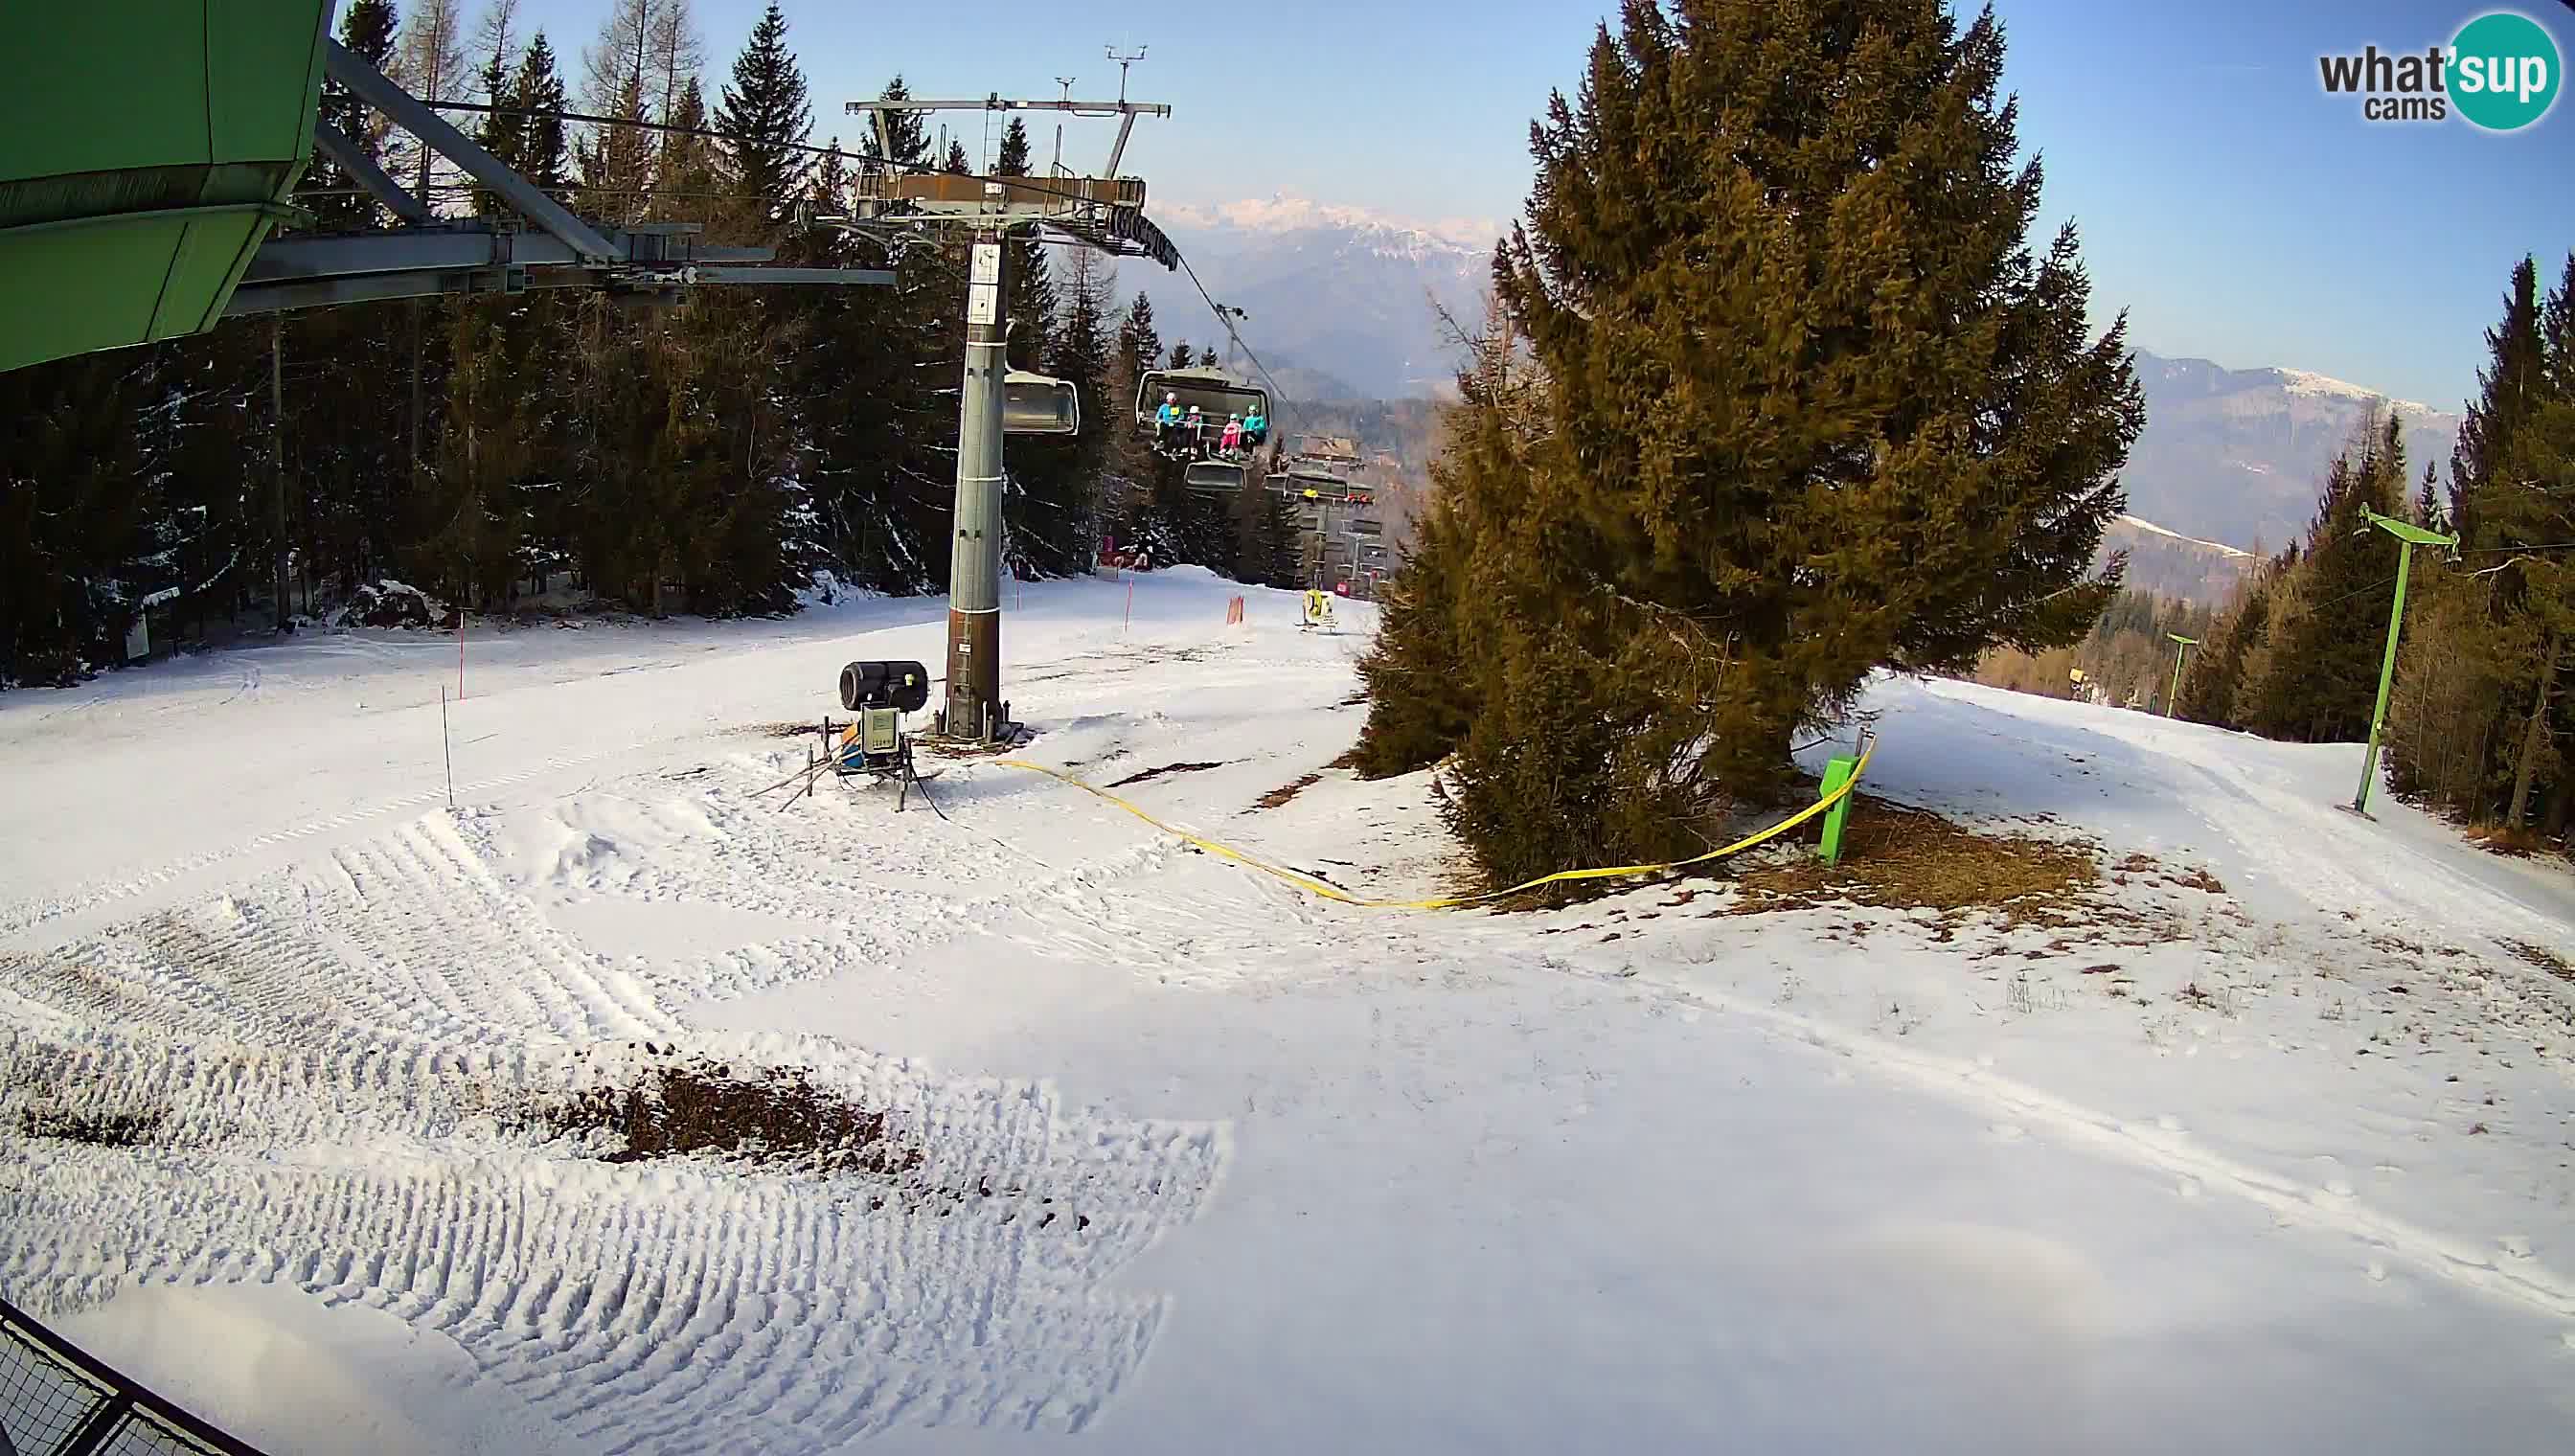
(1814, 406)
(2315, 677)
(538, 95)
(766, 116)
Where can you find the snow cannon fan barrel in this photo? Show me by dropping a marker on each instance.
(902, 687)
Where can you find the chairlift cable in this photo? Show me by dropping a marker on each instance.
(1278, 395)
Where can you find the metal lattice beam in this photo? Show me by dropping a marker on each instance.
(377, 90)
(363, 169)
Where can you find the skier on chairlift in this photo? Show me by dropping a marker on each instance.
(1255, 428)
(1198, 431)
(1232, 440)
(1166, 419)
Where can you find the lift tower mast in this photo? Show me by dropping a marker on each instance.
(1106, 212)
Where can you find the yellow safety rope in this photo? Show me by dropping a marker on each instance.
(1332, 892)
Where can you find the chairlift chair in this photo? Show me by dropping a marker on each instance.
(1035, 404)
(1213, 476)
(1217, 394)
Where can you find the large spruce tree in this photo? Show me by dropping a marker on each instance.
(766, 116)
(1813, 407)
(1031, 302)
(538, 95)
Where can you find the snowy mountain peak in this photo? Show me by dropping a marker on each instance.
(1283, 213)
(2322, 387)
(2139, 522)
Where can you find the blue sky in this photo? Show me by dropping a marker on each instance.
(2237, 211)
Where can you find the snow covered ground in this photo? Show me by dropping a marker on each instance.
(2271, 1147)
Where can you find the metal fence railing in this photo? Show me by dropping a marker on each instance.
(56, 1400)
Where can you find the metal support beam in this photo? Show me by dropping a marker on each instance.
(352, 159)
(480, 244)
(285, 295)
(880, 276)
(1125, 124)
(373, 87)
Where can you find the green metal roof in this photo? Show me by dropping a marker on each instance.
(147, 147)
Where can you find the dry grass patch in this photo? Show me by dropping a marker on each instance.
(1898, 857)
(772, 1115)
(1149, 774)
(2514, 843)
(1279, 796)
(2540, 956)
(98, 1129)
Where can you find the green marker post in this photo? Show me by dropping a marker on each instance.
(2172, 699)
(1837, 773)
(2411, 536)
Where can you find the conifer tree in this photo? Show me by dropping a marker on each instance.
(617, 161)
(1064, 501)
(1140, 348)
(2528, 500)
(957, 163)
(499, 131)
(473, 521)
(1129, 459)
(2215, 677)
(338, 203)
(2505, 388)
(538, 95)
(2479, 711)
(685, 180)
(766, 116)
(1031, 302)
(2316, 678)
(884, 452)
(1815, 407)
(84, 537)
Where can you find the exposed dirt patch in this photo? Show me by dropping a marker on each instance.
(98, 1129)
(1355, 699)
(2541, 956)
(1149, 774)
(1279, 796)
(770, 1115)
(2137, 865)
(2513, 843)
(1898, 857)
(784, 730)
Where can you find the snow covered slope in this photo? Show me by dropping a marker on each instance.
(2267, 1149)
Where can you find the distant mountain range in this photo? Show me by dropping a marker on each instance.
(1342, 304)
(2238, 455)
(1341, 300)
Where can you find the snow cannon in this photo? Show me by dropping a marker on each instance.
(901, 687)
(876, 746)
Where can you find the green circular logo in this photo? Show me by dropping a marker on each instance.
(2504, 71)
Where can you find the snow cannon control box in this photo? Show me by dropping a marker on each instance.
(880, 693)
